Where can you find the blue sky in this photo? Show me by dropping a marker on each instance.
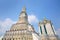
(39, 8)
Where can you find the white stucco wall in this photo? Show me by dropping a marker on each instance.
(35, 36)
(1, 37)
(49, 29)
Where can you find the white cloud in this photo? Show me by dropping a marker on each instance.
(5, 25)
(6, 22)
(1, 37)
(32, 19)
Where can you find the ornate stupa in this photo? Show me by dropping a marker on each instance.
(22, 30)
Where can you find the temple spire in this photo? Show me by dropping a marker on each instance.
(23, 18)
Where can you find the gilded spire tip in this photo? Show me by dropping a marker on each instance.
(24, 8)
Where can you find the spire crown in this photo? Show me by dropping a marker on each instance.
(45, 18)
(24, 8)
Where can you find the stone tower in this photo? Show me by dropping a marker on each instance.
(22, 30)
(46, 30)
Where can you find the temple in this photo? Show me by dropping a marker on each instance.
(23, 30)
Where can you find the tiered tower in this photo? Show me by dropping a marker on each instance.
(22, 23)
(46, 30)
(22, 30)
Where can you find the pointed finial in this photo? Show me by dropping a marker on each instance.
(45, 18)
(24, 8)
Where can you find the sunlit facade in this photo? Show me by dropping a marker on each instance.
(23, 30)
(46, 30)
